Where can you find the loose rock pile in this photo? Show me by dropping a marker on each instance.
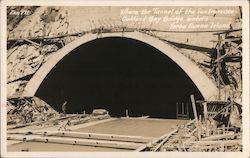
(23, 110)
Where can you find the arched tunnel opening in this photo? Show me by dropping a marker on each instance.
(117, 73)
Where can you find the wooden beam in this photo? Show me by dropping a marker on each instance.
(197, 123)
(228, 39)
(194, 108)
(164, 140)
(226, 142)
(97, 136)
(161, 140)
(227, 31)
(75, 141)
(218, 65)
(222, 136)
(223, 56)
(32, 42)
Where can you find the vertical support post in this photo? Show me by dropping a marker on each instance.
(177, 110)
(218, 65)
(182, 110)
(188, 111)
(223, 129)
(205, 111)
(199, 128)
(127, 113)
(194, 108)
(222, 148)
(195, 115)
(240, 85)
(206, 117)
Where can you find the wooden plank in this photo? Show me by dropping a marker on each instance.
(226, 142)
(197, 123)
(205, 110)
(194, 108)
(221, 136)
(69, 134)
(228, 39)
(223, 56)
(32, 42)
(227, 31)
(160, 140)
(164, 140)
(75, 141)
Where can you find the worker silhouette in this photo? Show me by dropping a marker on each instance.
(64, 108)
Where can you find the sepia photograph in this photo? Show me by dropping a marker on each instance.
(137, 79)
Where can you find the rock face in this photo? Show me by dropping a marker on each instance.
(25, 59)
(15, 15)
(36, 29)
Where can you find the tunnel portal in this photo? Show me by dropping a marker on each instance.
(116, 74)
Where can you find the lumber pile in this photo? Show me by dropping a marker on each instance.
(208, 132)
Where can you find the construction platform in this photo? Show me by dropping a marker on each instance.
(111, 134)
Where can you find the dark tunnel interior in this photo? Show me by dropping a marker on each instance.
(116, 74)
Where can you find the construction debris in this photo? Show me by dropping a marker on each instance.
(25, 110)
(218, 129)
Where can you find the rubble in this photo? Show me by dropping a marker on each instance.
(24, 110)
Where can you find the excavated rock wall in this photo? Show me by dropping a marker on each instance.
(24, 60)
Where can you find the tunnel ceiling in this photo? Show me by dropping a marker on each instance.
(117, 74)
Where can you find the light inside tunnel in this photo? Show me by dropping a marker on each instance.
(117, 74)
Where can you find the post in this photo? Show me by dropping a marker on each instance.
(194, 108)
(195, 115)
(205, 111)
(177, 110)
(206, 118)
(218, 65)
(182, 110)
(127, 113)
(223, 129)
(199, 128)
(188, 111)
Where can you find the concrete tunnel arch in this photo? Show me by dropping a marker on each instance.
(205, 85)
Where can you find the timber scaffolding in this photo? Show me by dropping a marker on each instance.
(219, 127)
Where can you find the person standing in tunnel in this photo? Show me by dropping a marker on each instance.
(64, 108)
